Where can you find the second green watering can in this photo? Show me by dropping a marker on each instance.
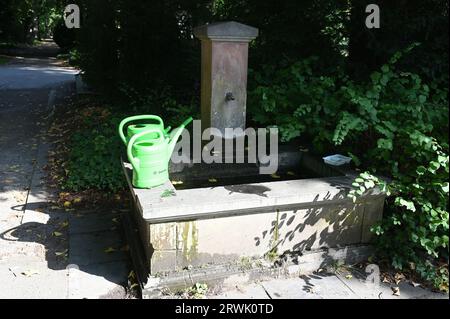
(156, 124)
(149, 153)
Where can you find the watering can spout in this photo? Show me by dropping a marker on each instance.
(174, 139)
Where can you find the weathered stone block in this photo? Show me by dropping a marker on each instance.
(163, 261)
(163, 236)
(228, 239)
(224, 74)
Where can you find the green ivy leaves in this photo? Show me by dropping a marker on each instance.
(394, 124)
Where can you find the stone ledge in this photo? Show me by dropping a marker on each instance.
(158, 206)
(231, 31)
(222, 276)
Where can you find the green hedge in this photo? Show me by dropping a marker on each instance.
(393, 124)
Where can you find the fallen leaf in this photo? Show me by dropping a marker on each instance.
(29, 273)
(212, 180)
(109, 250)
(67, 204)
(291, 173)
(348, 277)
(396, 291)
(133, 286)
(77, 200)
(399, 278)
(168, 193)
(275, 176)
(177, 182)
(61, 253)
(57, 234)
(415, 284)
(131, 275)
(64, 224)
(115, 220)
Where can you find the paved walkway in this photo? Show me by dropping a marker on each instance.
(328, 286)
(37, 239)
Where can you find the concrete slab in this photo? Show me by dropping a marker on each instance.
(98, 281)
(308, 287)
(365, 290)
(98, 247)
(252, 291)
(89, 223)
(324, 286)
(32, 263)
(31, 279)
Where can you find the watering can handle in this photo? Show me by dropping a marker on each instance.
(133, 140)
(135, 118)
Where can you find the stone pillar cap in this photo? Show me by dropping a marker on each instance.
(226, 31)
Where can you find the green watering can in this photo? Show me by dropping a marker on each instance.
(149, 153)
(134, 129)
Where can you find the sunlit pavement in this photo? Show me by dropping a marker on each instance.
(22, 74)
(35, 235)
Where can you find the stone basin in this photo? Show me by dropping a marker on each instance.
(202, 228)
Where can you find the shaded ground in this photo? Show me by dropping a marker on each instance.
(39, 239)
(42, 49)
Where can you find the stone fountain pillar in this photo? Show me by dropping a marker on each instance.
(224, 74)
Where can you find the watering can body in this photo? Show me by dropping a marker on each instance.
(149, 153)
(133, 129)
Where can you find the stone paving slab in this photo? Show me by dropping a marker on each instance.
(91, 248)
(98, 281)
(325, 286)
(384, 290)
(308, 287)
(89, 223)
(40, 283)
(28, 93)
(99, 256)
(252, 291)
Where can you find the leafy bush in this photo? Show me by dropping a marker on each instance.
(94, 160)
(394, 125)
(162, 102)
(296, 99)
(95, 148)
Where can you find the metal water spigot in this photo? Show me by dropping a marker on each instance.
(229, 97)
